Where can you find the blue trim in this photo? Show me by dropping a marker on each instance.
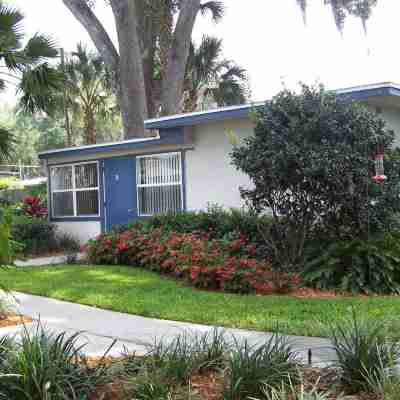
(171, 136)
(367, 93)
(75, 219)
(199, 118)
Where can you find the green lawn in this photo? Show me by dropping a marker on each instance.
(144, 293)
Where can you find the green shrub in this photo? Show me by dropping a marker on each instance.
(253, 369)
(36, 234)
(46, 366)
(363, 350)
(361, 266)
(216, 221)
(39, 236)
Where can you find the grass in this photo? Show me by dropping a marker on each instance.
(141, 292)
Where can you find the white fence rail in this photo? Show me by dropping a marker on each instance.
(21, 171)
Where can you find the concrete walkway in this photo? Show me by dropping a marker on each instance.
(101, 327)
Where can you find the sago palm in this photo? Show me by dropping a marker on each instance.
(24, 65)
(210, 77)
(88, 90)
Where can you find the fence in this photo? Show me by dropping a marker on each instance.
(21, 171)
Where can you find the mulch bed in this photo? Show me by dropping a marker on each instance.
(209, 386)
(13, 319)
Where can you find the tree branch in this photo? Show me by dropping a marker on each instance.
(96, 31)
(177, 57)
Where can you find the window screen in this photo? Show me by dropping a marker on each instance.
(75, 190)
(159, 183)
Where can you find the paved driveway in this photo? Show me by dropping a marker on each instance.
(101, 327)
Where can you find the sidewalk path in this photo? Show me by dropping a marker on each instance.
(101, 327)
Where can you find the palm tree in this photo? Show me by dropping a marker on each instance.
(342, 8)
(210, 77)
(25, 67)
(88, 90)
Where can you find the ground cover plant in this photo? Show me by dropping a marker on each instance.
(140, 292)
(192, 365)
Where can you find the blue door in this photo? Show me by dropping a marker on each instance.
(120, 191)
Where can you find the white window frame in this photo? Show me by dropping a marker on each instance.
(74, 190)
(180, 183)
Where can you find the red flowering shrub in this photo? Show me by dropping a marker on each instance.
(201, 261)
(33, 207)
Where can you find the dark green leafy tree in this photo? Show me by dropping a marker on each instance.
(311, 162)
(209, 76)
(24, 64)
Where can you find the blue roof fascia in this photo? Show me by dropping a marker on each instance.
(173, 136)
(198, 118)
(368, 93)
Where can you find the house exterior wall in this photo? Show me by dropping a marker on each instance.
(210, 176)
(392, 117)
(80, 230)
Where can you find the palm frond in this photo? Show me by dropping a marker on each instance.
(38, 87)
(342, 8)
(216, 8)
(10, 27)
(7, 142)
(40, 48)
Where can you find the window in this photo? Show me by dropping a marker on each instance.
(75, 190)
(159, 184)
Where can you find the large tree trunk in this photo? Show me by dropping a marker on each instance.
(174, 77)
(134, 106)
(130, 94)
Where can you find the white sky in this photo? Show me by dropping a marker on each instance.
(269, 39)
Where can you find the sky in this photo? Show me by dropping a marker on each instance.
(268, 38)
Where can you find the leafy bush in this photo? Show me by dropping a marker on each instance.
(203, 262)
(253, 369)
(363, 350)
(310, 163)
(36, 234)
(368, 266)
(39, 236)
(46, 366)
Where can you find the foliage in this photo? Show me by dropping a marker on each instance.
(47, 366)
(38, 236)
(209, 77)
(26, 62)
(342, 9)
(385, 383)
(87, 92)
(6, 183)
(7, 143)
(6, 247)
(361, 266)
(32, 133)
(298, 392)
(316, 156)
(33, 207)
(254, 368)
(362, 349)
(224, 264)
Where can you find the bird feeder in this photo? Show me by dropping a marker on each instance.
(379, 176)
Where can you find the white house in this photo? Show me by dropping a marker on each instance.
(185, 167)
